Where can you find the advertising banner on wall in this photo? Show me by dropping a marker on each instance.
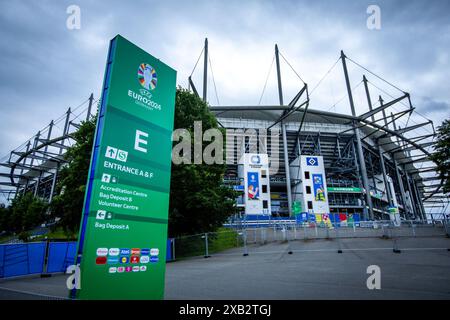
(320, 198)
(319, 190)
(253, 169)
(253, 185)
(123, 233)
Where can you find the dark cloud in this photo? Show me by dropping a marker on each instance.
(430, 106)
(46, 68)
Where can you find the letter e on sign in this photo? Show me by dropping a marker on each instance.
(139, 141)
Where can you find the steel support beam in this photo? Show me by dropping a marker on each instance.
(419, 199)
(321, 113)
(410, 191)
(362, 163)
(399, 179)
(284, 133)
(191, 83)
(403, 130)
(371, 113)
(66, 129)
(380, 153)
(369, 100)
(52, 190)
(91, 100)
(404, 149)
(422, 159)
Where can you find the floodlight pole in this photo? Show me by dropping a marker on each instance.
(362, 163)
(284, 133)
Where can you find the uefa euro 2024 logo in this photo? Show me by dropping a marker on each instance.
(147, 76)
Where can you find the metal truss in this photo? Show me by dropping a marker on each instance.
(35, 165)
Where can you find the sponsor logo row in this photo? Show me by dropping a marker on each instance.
(115, 252)
(126, 260)
(127, 269)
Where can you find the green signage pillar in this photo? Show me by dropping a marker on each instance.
(123, 234)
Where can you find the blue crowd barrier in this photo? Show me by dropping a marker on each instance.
(29, 258)
(21, 259)
(60, 256)
(169, 252)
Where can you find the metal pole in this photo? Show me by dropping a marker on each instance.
(91, 100)
(244, 234)
(205, 70)
(383, 166)
(362, 163)
(284, 133)
(173, 248)
(66, 124)
(21, 172)
(280, 88)
(35, 143)
(52, 190)
(49, 134)
(386, 182)
(380, 153)
(416, 196)
(408, 185)
(369, 100)
(38, 181)
(399, 177)
(419, 199)
(206, 246)
(66, 128)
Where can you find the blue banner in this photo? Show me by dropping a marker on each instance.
(319, 190)
(253, 185)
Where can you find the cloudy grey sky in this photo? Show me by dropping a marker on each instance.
(46, 68)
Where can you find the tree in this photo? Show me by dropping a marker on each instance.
(198, 200)
(441, 155)
(26, 212)
(68, 204)
(5, 217)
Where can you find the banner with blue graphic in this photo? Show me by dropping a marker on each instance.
(318, 186)
(253, 185)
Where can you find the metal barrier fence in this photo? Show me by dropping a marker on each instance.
(22, 259)
(44, 257)
(310, 231)
(205, 244)
(60, 255)
(54, 257)
(241, 235)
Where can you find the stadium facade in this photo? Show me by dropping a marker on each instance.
(362, 164)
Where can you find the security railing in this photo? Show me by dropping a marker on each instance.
(241, 235)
